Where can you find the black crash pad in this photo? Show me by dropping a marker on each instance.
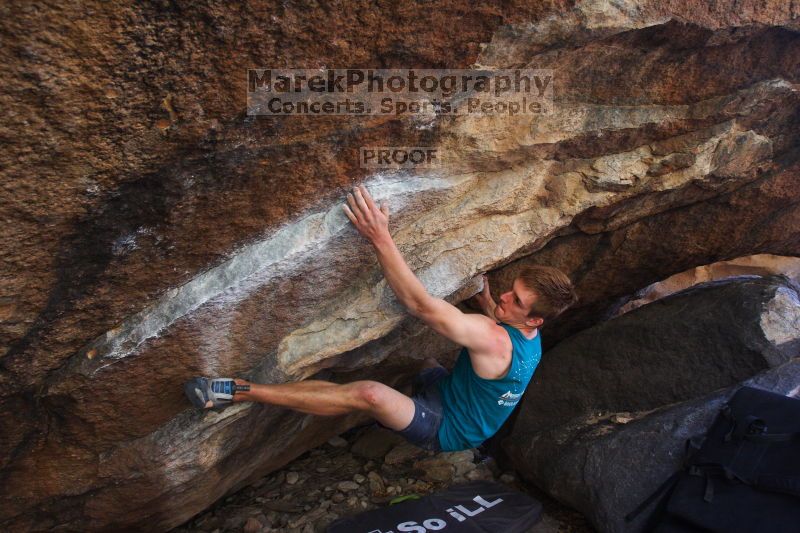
(476, 507)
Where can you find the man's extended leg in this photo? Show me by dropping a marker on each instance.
(391, 408)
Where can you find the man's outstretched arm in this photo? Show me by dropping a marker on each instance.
(471, 330)
(373, 223)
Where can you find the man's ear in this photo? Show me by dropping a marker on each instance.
(535, 322)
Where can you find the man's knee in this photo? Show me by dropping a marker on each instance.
(371, 393)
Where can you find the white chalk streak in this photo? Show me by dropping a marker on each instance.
(262, 260)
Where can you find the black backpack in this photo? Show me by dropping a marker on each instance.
(744, 477)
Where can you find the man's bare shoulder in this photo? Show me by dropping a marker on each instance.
(493, 363)
(478, 333)
(498, 346)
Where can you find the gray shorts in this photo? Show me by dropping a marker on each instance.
(423, 430)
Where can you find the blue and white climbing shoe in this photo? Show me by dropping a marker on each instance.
(218, 391)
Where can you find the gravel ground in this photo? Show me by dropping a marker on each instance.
(363, 469)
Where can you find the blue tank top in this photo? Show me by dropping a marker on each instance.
(474, 408)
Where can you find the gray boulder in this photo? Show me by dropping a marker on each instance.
(690, 343)
(606, 466)
(608, 414)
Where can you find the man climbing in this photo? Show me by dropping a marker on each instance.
(446, 412)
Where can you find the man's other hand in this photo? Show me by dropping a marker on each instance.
(369, 220)
(483, 301)
(484, 298)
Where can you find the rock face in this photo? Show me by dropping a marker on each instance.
(753, 265)
(687, 344)
(606, 466)
(586, 431)
(153, 232)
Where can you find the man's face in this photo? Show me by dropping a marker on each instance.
(513, 306)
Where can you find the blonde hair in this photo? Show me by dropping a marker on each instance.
(554, 290)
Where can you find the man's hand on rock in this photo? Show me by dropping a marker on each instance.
(369, 220)
(484, 298)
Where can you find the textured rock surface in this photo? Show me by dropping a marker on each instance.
(605, 466)
(685, 345)
(153, 232)
(753, 265)
(607, 266)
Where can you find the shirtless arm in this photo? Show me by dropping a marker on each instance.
(485, 340)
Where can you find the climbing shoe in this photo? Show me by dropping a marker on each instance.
(219, 391)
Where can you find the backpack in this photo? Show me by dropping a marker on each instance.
(743, 477)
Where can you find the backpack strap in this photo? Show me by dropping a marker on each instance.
(708, 470)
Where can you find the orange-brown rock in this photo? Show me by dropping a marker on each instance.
(153, 231)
